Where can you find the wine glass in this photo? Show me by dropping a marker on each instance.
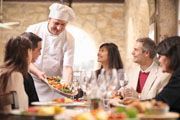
(75, 83)
(83, 81)
(102, 83)
(112, 81)
(124, 81)
(87, 82)
(108, 83)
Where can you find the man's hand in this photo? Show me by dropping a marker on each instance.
(130, 92)
(129, 100)
(117, 94)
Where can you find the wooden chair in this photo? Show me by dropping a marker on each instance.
(9, 99)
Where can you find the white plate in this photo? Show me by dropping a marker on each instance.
(20, 112)
(69, 95)
(69, 113)
(61, 92)
(74, 104)
(168, 115)
(16, 112)
(44, 103)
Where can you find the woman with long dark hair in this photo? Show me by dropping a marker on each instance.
(18, 55)
(109, 58)
(169, 59)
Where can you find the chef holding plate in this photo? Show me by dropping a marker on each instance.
(57, 52)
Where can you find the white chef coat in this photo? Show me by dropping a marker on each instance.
(57, 51)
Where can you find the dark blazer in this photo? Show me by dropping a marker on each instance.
(30, 89)
(171, 92)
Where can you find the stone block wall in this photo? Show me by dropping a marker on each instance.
(103, 22)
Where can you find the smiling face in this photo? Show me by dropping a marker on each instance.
(36, 51)
(56, 26)
(164, 63)
(103, 55)
(138, 53)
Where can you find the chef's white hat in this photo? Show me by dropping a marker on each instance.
(61, 12)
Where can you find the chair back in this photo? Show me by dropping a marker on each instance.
(9, 99)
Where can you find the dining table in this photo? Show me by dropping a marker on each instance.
(4, 116)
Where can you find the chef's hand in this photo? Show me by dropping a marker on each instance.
(41, 75)
(38, 73)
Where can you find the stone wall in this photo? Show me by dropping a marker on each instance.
(168, 18)
(103, 22)
(139, 17)
(24, 12)
(118, 23)
(137, 24)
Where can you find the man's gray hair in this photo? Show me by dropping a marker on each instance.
(148, 46)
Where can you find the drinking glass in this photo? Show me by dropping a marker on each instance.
(107, 82)
(75, 84)
(87, 82)
(123, 82)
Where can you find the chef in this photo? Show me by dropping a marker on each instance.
(57, 53)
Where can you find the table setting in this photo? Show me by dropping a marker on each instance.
(97, 102)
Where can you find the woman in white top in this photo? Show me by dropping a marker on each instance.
(18, 54)
(110, 58)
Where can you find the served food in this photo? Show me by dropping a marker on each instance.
(43, 111)
(150, 107)
(63, 88)
(157, 107)
(63, 100)
(117, 116)
(125, 112)
(54, 78)
(97, 114)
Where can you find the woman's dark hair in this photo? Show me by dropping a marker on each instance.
(170, 47)
(33, 37)
(15, 59)
(113, 56)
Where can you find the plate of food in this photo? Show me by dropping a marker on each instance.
(67, 102)
(154, 107)
(75, 104)
(40, 111)
(167, 115)
(63, 100)
(48, 103)
(63, 88)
